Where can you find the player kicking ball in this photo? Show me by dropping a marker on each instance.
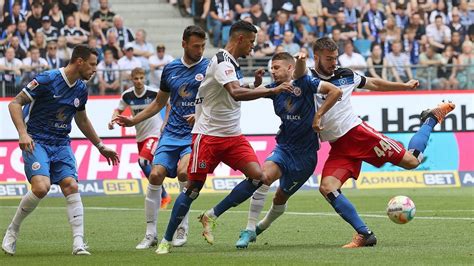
(179, 84)
(295, 156)
(354, 141)
(50, 102)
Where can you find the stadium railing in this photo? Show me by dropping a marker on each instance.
(11, 84)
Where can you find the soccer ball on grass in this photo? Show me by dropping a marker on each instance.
(401, 209)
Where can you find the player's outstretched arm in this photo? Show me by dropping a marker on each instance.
(376, 84)
(85, 125)
(16, 113)
(243, 94)
(151, 110)
(300, 66)
(333, 94)
(116, 113)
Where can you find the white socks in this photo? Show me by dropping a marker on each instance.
(27, 205)
(256, 205)
(152, 205)
(185, 222)
(274, 212)
(75, 213)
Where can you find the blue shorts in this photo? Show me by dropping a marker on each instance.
(55, 162)
(169, 152)
(296, 167)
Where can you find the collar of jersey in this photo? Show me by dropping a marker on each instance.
(323, 76)
(230, 55)
(143, 93)
(191, 65)
(63, 74)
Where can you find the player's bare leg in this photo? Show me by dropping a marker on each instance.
(180, 237)
(330, 188)
(271, 173)
(75, 213)
(152, 206)
(39, 189)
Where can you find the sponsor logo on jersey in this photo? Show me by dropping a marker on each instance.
(183, 92)
(32, 85)
(229, 72)
(202, 165)
(76, 102)
(35, 166)
(199, 77)
(289, 106)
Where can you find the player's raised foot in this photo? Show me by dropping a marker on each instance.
(258, 230)
(81, 250)
(246, 236)
(147, 242)
(165, 202)
(163, 248)
(207, 224)
(180, 237)
(9, 241)
(360, 240)
(439, 112)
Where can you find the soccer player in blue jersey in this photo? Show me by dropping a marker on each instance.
(50, 102)
(179, 83)
(295, 156)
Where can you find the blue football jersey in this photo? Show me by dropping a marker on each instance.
(296, 111)
(182, 82)
(54, 103)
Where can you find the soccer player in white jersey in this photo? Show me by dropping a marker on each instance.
(354, 141)
(50, 102)
(216, 133)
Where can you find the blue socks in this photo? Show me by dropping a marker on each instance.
(239, 194)
(180, 209)
(419, 141)
(347, 211)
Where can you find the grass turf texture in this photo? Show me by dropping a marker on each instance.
(309, 233)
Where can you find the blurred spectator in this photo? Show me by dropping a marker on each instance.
(288, 45)
(157, 63)
(54, 62)
(105, 15)
(92, 42)
(455, 24)
(347, 32)
(242, 7)
(39, 41)
(264, 47)
(67, 8)
(301, 33)
(320, 30)
(267, 6)
(56, 15)
(399, 63)
(376, 64)
(15, 16)
(353, 17)
(113, 45)
(393, 32)
(97, 33)
(423, 6)
(23, 35)
(466, 14)
(33, 64)
(50, 33)
(201, 12)
(456, 43)
(34, 21)
(439, 10)
(108, 74)
(47, 6)
(396, 5)
(309, 59)
(438, 34)
(428, 74)
(126, 64)
(63, 52)
(259, 17)
(373, 21)
(142, 49)
(221, 15)
(7, 34)
(352, 60)
(279, 27)
(401, 18)
(9, 4)
(124, 34)
(83, 17)
(293, 7)
(278, 49)
(74, 36)
(312, 9)
(20, 53)
(336, 36)
(384, 43)
(446, 71)
(331, 8)
(412, 46)
(464, 71)
(10, 67)
(417, 23)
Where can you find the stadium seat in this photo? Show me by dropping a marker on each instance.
(363, 46)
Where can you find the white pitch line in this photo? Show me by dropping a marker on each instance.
(246, 212)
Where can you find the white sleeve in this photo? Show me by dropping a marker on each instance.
(122, 104)
(225, 73)
(359, 81)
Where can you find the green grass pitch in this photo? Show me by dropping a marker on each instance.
(309, 233)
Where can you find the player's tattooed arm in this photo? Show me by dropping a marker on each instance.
(16, 113)
(333, 94)
(376, 84)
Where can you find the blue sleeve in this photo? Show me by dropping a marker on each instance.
(163, 83)
(38, 86)
(82, 104)
(314, 83)
(308, 82)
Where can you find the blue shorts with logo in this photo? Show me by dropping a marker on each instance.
(169, 151)
(296, 167)
(55, 162)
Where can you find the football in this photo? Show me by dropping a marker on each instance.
(401, 209)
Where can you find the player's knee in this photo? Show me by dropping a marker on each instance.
(410, 162)
(156, 177)
(183, 176)
(40, 191)
(266, 180)
(325, 188)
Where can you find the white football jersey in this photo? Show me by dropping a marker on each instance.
(217, 113)
(341, 117)
(150, 127)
